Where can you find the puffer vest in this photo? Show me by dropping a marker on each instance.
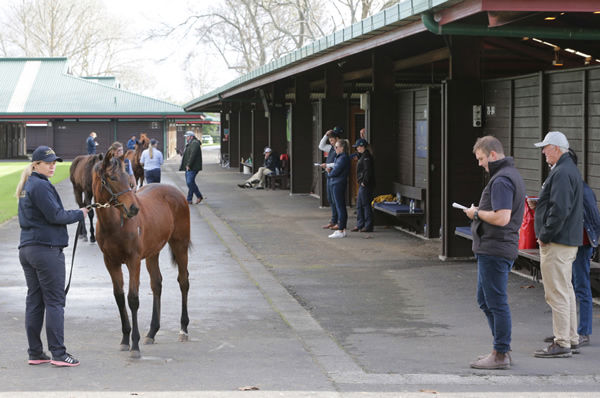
(491, 239)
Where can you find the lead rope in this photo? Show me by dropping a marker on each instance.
(79, 227)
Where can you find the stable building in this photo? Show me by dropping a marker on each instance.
(42, 103)
(426, 79)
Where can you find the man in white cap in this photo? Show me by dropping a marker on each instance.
(258, 178)
(559, 229)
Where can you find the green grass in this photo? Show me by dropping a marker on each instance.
(10, 173)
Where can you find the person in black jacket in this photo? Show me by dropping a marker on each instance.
(365, 175)
(43, 221)
(559, 229)
(271, 165)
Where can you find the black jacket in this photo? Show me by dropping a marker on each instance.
(42, 217)
(559, 210)
(272, 162)
(365, 170)
(192, 156)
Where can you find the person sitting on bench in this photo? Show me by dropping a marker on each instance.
(258, 178)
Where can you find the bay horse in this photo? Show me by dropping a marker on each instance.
(80, 174)
(133, 226)
(134, 157)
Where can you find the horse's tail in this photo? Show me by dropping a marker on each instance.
(173, 259)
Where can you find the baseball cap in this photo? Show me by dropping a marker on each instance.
(360, 142)
(554, 138)
(44, 154)
(338, 131)
(267, 150)
(189, 133)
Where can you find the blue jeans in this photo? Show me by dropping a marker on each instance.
(583, 290)
(190, 180)
(334, 214)
(339, 200)
(492, 297)
(152, 175)
(44, 269)
(364, 211)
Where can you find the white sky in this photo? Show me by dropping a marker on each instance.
(164, 59)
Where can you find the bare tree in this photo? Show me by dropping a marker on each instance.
(250, 33)
(78, 29)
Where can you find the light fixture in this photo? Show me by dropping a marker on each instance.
(549, 18)
(596, 12)
(557, 61)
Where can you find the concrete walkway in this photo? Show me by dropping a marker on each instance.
(277, 305)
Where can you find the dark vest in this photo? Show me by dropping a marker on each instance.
(491, 239)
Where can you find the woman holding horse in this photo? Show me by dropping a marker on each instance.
(43, 222)
(151, 160)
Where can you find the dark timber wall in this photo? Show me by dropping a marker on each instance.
(521, 110)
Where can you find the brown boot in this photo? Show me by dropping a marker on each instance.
(328, 226)
(496, 360)
(494, 353)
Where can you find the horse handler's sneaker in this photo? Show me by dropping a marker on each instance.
(38, 359)
(66, 360)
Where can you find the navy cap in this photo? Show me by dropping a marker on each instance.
(45, 154)
(153, 141)
(338, 131)
(360, 142)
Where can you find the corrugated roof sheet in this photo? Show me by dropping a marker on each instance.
(53, 91)
(397, 15)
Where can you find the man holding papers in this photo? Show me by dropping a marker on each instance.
(495, 229)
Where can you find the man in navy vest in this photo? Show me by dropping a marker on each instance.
(495, 228)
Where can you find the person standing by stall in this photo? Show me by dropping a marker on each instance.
(43, 222)
(327, 144)
(91, 143)
(151, 160)
(495, 228)
(338, 179)
(559, 229)
(365, 175)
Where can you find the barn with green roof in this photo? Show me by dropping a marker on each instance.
(42, 103)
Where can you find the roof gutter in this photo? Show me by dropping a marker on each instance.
(507, 31)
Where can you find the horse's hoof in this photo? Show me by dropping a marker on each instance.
(148, 340)
(124, 347)
(135, 354)
(183, 337)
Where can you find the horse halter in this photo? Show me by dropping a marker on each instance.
(113, 201)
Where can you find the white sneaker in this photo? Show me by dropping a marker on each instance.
(338, 234)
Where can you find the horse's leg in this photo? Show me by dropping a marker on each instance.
(116, 275)
(179, 249)
(156, 285)
(79, 198)
(91, 217)
(134, 304)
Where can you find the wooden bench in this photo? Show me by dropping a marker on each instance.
(529, 254)
(281, 180)
(401, 211)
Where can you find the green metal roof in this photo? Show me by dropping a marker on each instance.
(388, 19)
(42, 86)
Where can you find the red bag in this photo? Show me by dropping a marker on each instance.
(527, 238)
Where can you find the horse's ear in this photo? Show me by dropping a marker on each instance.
(100, 156)
(106, 161)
